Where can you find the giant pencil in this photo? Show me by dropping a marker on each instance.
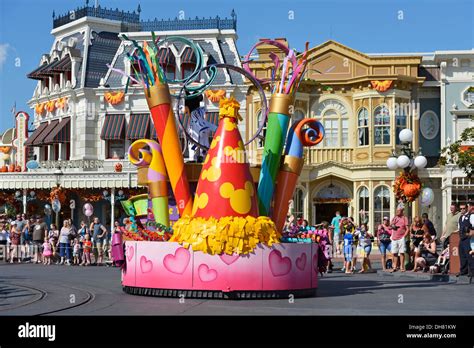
(159, 103)
(292, 164)
(278, 120)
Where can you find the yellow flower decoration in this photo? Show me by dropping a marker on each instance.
(229, 107)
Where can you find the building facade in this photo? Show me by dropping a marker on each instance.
(84, 121)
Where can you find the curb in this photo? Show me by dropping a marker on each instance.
(439, 278)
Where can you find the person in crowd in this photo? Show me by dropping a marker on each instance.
(466, 225)
(399, 226)
(3, 241)
(428, 253)
(429, 225)
(305, 226)
(365, 247)
(348, 241)
(20, 223)
(75, 252)
(452, 224)
(336, 228)
(28, 235)
(355, 242)
(64, 244)
(47, 251)
(417, 231)
(106, 246)
(39, 232)
(98, 233)
(87, 248)
(53, 239)
(15, 238)
(384, 234)
(347, 226)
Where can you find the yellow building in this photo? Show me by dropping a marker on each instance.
(363, 101)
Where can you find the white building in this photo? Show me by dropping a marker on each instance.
(81, 136)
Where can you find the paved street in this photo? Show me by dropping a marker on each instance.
(36, 289)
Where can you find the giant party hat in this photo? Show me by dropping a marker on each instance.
(225, 211)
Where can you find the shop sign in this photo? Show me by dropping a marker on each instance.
(72, 164)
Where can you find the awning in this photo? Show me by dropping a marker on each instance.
(113, 128)
(60, 134)
(166, 57)
(138, 126)
(188, 57)
(47, 131)
(38, 73)
(31, 140)
(59, 66)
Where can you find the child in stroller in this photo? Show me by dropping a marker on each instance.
(442, 264)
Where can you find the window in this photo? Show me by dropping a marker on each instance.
(298, 203)
(400, 123)
(381, 204)
(170, 71)
(56, 152)
(363, 196)
(335, 119)
(382, 125)
(44, 155)
(187, 69)
(135, 73)
(115, 149)
(261, 137)
(363, 127)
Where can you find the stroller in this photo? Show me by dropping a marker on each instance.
(442, 264)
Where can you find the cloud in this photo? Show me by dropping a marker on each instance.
(3, 54)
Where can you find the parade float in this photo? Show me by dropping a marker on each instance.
(228, 241)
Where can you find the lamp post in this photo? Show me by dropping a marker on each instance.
(25, 198)
(113, 198)
(407, 159)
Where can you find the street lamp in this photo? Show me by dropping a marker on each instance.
(25, 199)
(407, 158)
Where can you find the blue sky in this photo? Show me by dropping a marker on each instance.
(370, 26)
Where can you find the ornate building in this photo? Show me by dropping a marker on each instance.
(83, 120)
(363, 101)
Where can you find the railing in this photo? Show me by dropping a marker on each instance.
(131, 20)
(317, 156)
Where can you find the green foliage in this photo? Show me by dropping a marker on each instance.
(459, 155)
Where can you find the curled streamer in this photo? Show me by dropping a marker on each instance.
(298, 136)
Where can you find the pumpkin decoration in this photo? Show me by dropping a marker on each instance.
(59, 193)
(11, 168)
(50, 105)
(3, 169)
(18, 168)
(381, 86)
(114, 98)
(61, 103)
(407, 187)
(118, 167)
(39, 108)
(215, 96)
(5, 149)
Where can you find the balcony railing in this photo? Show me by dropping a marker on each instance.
(130, 21)
(318, 156)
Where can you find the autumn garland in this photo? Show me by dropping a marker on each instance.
(407, 187)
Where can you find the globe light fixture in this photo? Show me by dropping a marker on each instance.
(403, 161)
(406, 136)
(392, 163)
(420, 161)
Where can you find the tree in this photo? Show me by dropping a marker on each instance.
(459, 154)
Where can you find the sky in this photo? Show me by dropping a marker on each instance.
(369, 26)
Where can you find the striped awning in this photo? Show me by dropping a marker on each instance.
(212, 117)
(60, 134)
(31, 140)
(62, 65)
(40, 141)
(39, 73)
(113, 128)
(188, 56)
(138, 126)
(166, 57)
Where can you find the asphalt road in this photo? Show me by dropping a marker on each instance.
(28, 289)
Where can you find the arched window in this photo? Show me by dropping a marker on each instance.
(261, 136)
(400, 121)
(382, 125)
(363, 196)
(298, 203)
(335, 119)
(168, 62)
(363, 127)
(381, 204)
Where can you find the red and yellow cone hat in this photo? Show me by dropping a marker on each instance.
(225, 211)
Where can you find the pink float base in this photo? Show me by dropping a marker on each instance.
(165, 266)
